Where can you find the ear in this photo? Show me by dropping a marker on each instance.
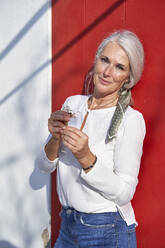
(127, 81)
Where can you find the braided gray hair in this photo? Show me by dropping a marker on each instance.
(131, 44)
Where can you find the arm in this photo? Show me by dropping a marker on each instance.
(120, 183)
(48, 158)
(44, 164)
(56, 122)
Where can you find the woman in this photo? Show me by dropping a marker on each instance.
(96, 145)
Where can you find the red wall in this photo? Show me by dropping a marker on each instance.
(78, 29)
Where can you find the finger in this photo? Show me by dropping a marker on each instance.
(69, 143)
(60, 115)
(70, 147)
(53, 130)
(70, 135)
(56, 123)
(71, 139)
(73, 130)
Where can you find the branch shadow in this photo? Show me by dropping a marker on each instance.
(25, 81)
(26, 28)
(9, 161)
(105, 14)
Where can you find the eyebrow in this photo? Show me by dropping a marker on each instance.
(124, 66)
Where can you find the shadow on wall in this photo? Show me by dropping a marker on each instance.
(38, 180)
(89, 28)
(18, 37)
(27, 27)
(6, 244)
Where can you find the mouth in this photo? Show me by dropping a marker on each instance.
(104, 82)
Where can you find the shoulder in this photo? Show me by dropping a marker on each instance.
(77, 98)
(134, 119)
(131, 113)
(76, 101)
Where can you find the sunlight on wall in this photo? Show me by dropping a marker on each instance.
(25, 104)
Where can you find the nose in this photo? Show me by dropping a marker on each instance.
(108, 71)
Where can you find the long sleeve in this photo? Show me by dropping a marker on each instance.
(111, 183)
(43, 163)
(118, 183)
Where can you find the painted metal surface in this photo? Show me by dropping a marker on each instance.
(77, 31)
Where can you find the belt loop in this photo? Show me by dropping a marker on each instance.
(68, 210)
(75, 215)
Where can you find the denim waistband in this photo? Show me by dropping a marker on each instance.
(69, 211)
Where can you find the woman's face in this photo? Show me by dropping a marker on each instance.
(111, 70)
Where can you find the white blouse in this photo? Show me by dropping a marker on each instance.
(110, 185)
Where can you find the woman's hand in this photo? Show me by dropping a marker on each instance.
(56, 122)
(77, 142)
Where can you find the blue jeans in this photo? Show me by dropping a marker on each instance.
(82, 230)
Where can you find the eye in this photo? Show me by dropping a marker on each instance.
(104, 59)
(120, 67)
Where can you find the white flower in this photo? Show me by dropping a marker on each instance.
(70, 111)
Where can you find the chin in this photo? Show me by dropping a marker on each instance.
(102, 91)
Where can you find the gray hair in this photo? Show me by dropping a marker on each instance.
(131, 44)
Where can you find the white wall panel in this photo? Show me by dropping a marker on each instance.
(25, 104)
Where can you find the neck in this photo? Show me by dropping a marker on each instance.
(108, 101)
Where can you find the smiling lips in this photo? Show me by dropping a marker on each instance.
(104, 82)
